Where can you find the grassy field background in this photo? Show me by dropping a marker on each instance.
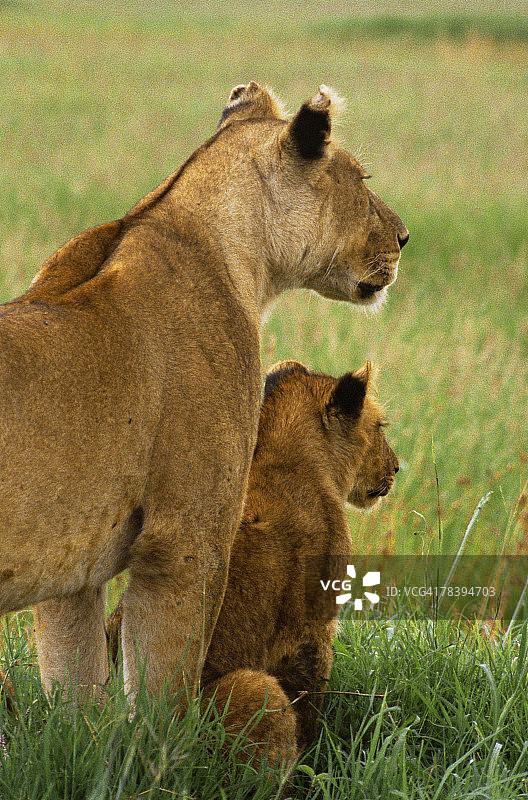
(98, 105)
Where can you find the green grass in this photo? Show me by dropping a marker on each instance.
(441, 712)
(456, 26)
(96, 107)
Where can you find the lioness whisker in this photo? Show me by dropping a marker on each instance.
(329, 268)
(369, 271)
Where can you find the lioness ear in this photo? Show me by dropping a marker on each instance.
(309, 130)
(251, 101)
(350, 391)
(279, 371)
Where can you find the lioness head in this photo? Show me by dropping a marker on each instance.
(324, 228)
(339, 420)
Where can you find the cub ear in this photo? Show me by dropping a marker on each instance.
(251, 101)
(281, 370)
(350, 391)
(309, 130)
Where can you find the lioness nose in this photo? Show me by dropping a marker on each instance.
(403, 238)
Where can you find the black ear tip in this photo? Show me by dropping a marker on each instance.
(349, 394)
(310, 130)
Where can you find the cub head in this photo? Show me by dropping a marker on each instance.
(324, 228)
(342, 424)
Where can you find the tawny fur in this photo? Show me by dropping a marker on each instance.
(320, 442)
(255, 705)
(130, 385)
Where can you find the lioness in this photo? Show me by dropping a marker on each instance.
(130, 383)
(320, 442)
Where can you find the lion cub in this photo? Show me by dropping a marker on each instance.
(320, 442)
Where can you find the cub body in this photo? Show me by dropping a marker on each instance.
(320, 442)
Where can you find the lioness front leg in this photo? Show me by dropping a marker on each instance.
(171, 604)
(71, 641)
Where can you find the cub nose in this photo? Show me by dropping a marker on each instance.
(403, 237)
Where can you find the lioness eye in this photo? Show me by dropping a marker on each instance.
(365, 177)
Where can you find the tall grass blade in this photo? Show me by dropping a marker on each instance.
(481, 504)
